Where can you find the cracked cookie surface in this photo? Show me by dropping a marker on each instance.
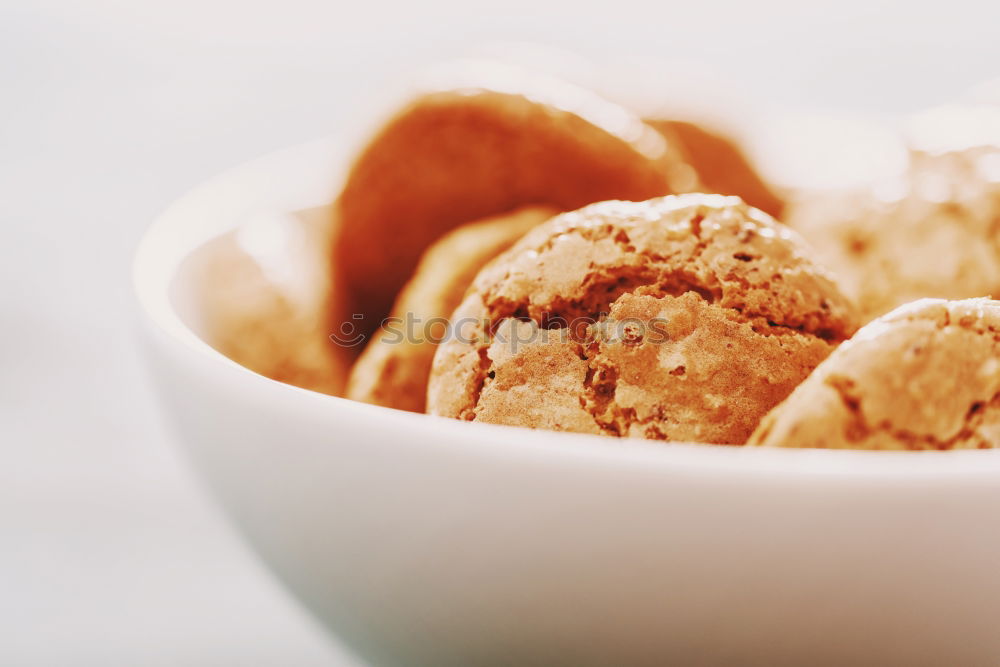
(925, 376)
(394, 367)
(456, 155)
(679, 318)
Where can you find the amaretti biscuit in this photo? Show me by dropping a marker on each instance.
(680, 318)
(721, 164)
(394, 367)
(932, 232)
(479, 149)
(925, 376)
(265, 299)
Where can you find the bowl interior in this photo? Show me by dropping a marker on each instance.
(308, 176)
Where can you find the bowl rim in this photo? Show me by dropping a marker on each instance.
(308, 175)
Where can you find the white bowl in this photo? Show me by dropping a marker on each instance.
(426, 541)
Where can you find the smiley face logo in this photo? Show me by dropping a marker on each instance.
(349, 334)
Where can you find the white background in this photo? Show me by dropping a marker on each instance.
(109, 552)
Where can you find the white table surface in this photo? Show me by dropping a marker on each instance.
(110, 553)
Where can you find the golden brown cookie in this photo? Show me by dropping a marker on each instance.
(933, 232)
(925, 376)
(680, 318)
(457, 155)
(720, 163)
(264, 300)
(394, 367)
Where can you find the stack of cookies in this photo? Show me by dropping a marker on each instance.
(528, 253)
